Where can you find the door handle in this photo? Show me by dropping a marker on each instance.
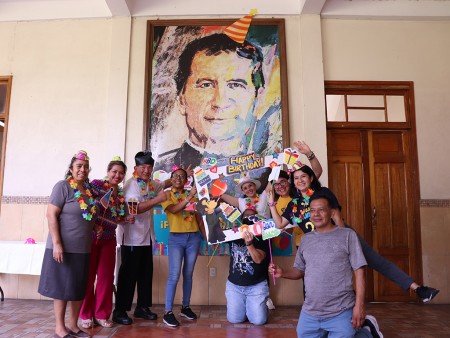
(374, 217)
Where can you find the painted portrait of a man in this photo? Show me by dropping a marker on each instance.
(211, 97)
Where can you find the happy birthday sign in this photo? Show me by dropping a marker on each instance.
(243, 163)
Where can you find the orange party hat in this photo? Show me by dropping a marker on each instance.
(238, 30)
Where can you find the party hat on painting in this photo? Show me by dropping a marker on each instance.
(238, 30)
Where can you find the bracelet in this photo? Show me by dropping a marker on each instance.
(272, 204)
(311, 156)
(251, 243)
(187, 200)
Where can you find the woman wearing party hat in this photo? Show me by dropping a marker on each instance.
(110, 201)
(65, 268)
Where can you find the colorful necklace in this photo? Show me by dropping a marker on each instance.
(87, 215)
(112, 200)
(250, 205)
(187, 217)
(147, 190)
(304, 213)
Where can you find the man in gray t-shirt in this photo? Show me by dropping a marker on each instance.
(327, 259)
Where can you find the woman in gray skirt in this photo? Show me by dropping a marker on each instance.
(65, 268)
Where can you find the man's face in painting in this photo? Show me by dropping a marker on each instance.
(218, 102)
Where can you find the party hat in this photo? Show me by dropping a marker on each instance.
(238, 30)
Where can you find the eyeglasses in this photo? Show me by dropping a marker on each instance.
(181, 177)
(281, 184)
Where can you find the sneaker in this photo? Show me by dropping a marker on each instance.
(270, 304)
(372, 324)
(426, 293)
(188, 313)
(170, 320)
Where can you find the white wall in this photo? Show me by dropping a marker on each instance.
(67, 85)
(416, 51)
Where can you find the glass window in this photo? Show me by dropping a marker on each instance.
(335, 108)
(396, 108)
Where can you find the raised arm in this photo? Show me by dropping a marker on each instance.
(147, 205)
(304, 149)
(180, 206)
(231, 200)
(280, 221)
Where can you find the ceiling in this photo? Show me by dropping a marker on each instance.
(28, 10)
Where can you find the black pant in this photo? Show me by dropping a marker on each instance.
(136, 268)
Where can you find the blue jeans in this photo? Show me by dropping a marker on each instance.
(247, 302)
(339, 326)
(384, 266)
(182, 246)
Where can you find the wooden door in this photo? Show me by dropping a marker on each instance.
(370, 172)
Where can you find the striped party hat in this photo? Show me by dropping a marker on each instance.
(238, 30)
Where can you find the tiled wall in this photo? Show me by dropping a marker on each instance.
(19, 221)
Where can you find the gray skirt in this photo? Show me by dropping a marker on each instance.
(67, 280)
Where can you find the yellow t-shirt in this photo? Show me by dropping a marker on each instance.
(183, 221)
(281, 206)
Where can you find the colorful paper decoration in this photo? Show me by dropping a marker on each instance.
(105, 199)
(269, 229)
(238, 30)
(275, 173)
(218, 188)
(132, 206)
(290, 156)
(201, 177)
(230, 212)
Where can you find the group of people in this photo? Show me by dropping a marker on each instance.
(87, 219)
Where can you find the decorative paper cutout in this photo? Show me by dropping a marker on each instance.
(132, 206)
(269, 229)
(218, 188)
(290, 156)
(238, 30)
(230, 212)
(105, 199)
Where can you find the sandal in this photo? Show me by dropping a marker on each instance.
(104, 322)
(86, 323)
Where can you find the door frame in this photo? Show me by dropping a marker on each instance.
(405, 88)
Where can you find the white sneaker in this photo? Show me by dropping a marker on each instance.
(269, 304)
(372, 323)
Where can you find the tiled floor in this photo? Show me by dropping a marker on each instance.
(33, 318)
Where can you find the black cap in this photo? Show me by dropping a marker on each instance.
(144, 157)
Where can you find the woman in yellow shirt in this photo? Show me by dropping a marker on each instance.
(183, 244)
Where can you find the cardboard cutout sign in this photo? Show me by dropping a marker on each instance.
(222, 222)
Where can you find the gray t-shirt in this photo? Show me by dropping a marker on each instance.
(76, 232)
(328, 260)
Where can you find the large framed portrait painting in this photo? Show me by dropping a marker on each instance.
(210, 98)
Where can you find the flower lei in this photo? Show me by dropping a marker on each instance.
(146, 193)
(180, 198)
(112, 200)
(87, 215)
(250, 205)
(304, 213)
